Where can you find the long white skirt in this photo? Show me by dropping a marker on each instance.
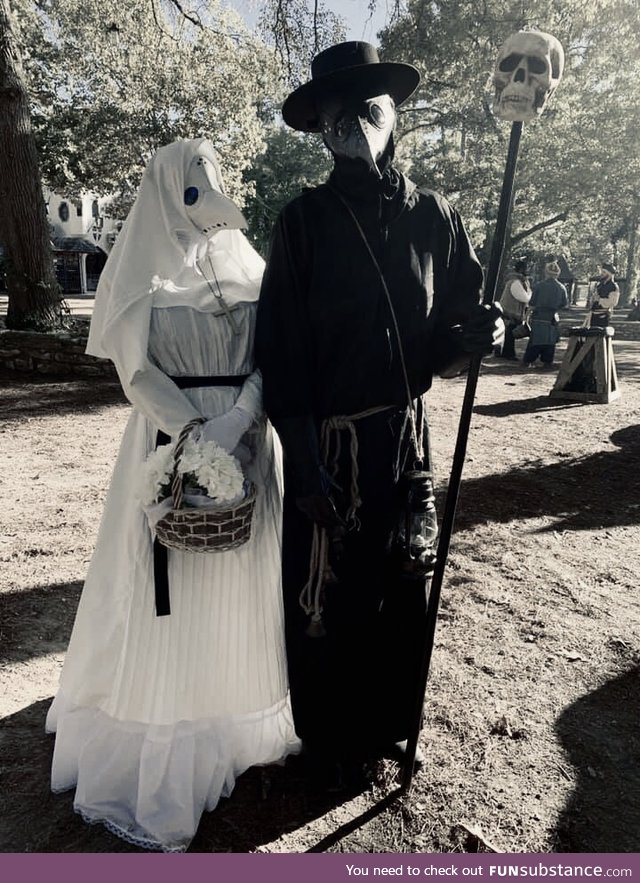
(157, 716)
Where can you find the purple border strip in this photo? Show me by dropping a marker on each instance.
(317, 868)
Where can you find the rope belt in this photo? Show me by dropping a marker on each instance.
(320, 572)
(160, 556)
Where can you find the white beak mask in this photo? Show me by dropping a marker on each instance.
(208, 209)
(358, 129)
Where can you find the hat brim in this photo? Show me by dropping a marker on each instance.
(393, 78)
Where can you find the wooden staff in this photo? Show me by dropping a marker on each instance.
(514, 79)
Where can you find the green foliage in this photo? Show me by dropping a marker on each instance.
(101, 106)
(580, 161)
(110, 85)
(298, 30)
(291, 162)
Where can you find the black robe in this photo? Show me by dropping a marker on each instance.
(326, 345)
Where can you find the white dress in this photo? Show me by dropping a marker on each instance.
(155, 717)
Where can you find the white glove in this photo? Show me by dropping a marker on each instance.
(227, 429)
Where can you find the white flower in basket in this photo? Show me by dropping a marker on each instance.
(211, 481)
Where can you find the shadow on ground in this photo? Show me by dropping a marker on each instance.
(600, 734)
(24, 397)
(625, 355)
(537, 404)
(25, 764)
(265, 803)
(37, 621)
(597, 491)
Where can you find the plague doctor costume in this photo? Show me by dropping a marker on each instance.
(156, 715)
(371, 288)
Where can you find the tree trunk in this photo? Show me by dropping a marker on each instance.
(35, 299)
(630, 288)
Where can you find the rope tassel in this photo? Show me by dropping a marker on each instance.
(320, 572)
(311, 595)
(316, 628)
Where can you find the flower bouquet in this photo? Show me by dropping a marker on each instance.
(195, 495)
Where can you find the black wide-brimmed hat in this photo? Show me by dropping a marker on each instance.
(349, 67)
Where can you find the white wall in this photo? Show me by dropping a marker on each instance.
(94, 226)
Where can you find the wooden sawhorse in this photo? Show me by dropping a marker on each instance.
(588, 370)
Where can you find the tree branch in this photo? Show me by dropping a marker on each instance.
(540, 226)
(157, 22)
(315, 27)
(403, 134)
(193, 19)
(281, 18)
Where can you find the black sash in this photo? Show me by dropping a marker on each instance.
(160, 557)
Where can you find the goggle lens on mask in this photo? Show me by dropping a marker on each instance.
(191, 195)
(369, 111)
(376, 115)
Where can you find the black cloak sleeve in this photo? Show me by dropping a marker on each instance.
(457, 293)
(284, 354)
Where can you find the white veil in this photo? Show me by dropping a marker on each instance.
(153, 260)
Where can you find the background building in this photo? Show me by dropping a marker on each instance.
(82, 235)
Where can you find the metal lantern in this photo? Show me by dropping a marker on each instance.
(417, 525)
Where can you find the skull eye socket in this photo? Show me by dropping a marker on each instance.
(536, 65)
(376, 115)
(510, 63)
(191, 195)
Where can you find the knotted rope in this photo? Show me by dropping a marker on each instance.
(320, 572)
(319, 569)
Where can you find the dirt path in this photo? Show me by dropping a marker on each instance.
(533, 702)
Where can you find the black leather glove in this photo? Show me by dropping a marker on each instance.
(483, 330)
(479, 335)
(315, 492)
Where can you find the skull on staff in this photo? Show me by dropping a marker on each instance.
(527, 73)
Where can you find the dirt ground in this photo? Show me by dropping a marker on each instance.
(532, 710)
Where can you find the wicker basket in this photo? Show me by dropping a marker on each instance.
(203, 530)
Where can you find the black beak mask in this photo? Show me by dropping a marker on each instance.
(358, 128)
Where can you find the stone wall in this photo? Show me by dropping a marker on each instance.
(55, 355)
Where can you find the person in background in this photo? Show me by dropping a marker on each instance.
(606, 297)
(548, 297)
(634, 312)
(514, 301)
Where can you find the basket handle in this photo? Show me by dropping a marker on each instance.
(176, 481)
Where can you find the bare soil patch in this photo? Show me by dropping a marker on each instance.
(533, 701)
